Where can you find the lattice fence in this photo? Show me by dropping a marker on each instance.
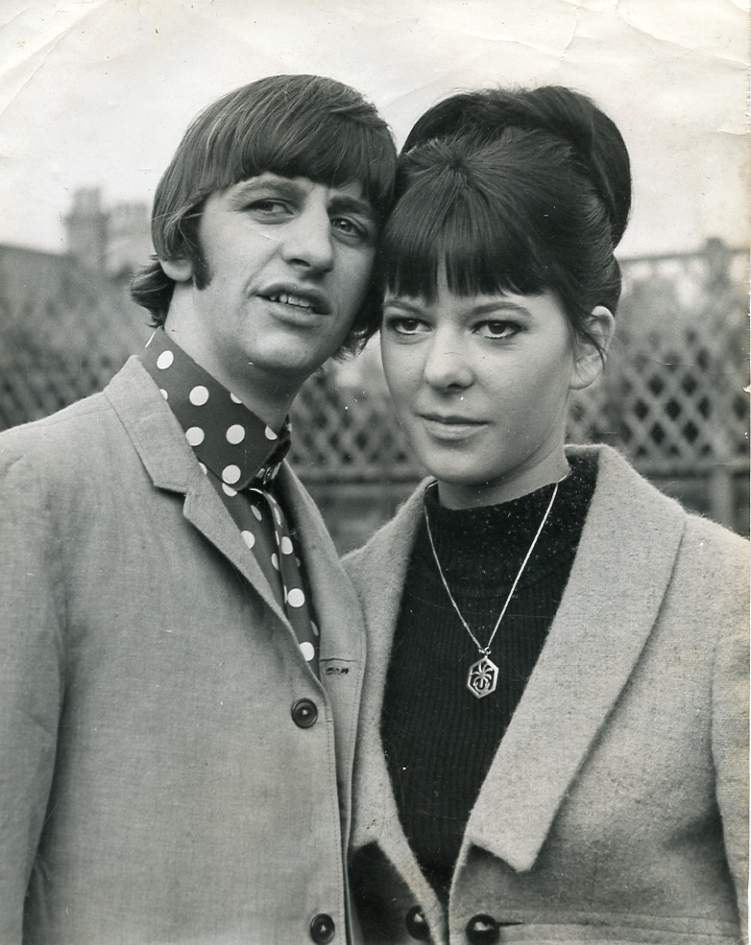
(672, 397)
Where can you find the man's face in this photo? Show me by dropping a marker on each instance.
(289, 262)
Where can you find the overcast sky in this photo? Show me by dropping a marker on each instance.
(98, 92)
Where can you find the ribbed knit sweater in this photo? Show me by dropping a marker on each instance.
(440, 740)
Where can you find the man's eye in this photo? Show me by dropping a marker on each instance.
(498, 330)
(268, 206)
(350, 228)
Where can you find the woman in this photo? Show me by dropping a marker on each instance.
(552, 743)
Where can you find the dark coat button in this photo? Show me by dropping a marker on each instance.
(304, 714)
(322, 927)
(482, 930)
(417, 924)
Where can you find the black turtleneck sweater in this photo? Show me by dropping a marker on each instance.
(438, 738)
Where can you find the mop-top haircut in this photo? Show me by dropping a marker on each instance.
(291, 125)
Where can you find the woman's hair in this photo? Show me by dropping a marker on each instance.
(291, 125)
(511, 191)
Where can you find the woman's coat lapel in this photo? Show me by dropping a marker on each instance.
(609, 607)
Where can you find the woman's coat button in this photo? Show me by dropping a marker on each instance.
(482, 930)
(417, 924)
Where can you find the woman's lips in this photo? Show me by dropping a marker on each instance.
(451, 427)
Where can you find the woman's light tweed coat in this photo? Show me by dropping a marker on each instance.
(615, 809)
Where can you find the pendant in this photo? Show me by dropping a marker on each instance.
(482, 677)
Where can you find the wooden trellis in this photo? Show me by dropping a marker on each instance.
(672, 396)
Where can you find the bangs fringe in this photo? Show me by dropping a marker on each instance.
(329, 148)
(442, 227)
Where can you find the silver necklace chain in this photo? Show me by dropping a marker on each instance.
(482, 678)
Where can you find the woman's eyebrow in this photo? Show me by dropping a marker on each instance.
(402, 303)
(502, 305)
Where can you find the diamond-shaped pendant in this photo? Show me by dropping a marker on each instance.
(482, 677)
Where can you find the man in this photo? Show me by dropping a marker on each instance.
(180, 653)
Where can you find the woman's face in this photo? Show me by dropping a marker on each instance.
(481, 387)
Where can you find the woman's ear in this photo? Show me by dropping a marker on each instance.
(181, 270)
(589, 358)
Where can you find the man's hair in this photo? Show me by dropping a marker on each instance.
(291, 125)
(511, 191)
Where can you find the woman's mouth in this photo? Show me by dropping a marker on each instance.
(451, 427)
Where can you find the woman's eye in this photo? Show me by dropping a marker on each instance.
(404, 325)
(498, 330)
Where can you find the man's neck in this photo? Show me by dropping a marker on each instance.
(268, 398)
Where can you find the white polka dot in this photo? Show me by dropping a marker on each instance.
(314, 628)
(164, 360)
(307, 650)
(235, 434)
(194, 436)
(275, 561)
(228, 490)
(295, 598)
(198, 395)
(249, 538)
(204, 470)
(257, 512)
(269, 433)
(235, 400)
(286, 546)
(164, 393)
(231, 473)
(299, 563)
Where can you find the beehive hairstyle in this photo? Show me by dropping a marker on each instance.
(511, 191)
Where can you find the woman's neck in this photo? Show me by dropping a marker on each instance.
(455, 495)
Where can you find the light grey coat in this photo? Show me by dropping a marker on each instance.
(615, 809)
(153, 785)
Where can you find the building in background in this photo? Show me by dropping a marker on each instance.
(112, 241)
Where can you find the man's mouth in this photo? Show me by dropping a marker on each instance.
(291, 300)
(306, 300)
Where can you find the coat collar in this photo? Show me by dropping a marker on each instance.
(172, 466)
(170, 462)
(619, 577)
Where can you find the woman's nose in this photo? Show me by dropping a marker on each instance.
(446, 365)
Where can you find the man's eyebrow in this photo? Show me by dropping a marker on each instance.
(282, 186)
(344, 203)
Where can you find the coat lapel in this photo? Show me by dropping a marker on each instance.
(378, 571)
(338, 614)
(172, 465)
(610, 604)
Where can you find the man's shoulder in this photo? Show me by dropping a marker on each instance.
(67, 429)
(75, 437)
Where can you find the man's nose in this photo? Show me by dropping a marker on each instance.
(308, 242)
(447, 365)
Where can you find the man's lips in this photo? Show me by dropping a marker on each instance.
(304, 298)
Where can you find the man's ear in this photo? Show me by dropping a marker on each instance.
(589, 358)
(181, 270)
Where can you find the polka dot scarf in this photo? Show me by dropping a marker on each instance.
(241, 456)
